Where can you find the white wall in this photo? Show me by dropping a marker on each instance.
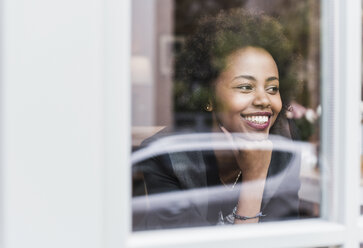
(52, 123)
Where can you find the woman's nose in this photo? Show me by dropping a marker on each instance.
(261, 98)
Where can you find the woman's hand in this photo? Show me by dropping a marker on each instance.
(253, 156)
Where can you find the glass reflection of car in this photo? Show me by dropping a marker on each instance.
(169, 203)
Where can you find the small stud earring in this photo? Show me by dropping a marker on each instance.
(208, 107)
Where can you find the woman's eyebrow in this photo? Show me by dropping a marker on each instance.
(245, 77)
(269, 79)
(272, 79)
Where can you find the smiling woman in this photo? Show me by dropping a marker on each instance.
(247, 97)
(238, 63)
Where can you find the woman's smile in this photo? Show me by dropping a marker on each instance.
(259, 121)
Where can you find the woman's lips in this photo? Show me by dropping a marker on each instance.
(259, 121)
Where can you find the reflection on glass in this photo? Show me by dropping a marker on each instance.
(225, 113)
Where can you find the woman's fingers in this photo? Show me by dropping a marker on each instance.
(229, 136)
(241, 144)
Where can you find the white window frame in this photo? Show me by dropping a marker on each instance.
(340, 224)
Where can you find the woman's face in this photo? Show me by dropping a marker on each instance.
(247, 97)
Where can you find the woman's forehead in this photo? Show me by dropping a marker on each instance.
(251, 60)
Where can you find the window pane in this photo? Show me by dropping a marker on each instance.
(225, 112)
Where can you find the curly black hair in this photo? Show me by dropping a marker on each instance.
(216, 37)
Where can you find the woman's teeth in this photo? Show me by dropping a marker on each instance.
(257, 119)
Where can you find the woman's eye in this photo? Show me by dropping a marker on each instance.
(272, 89)
(245, 87)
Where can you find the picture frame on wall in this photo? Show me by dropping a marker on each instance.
(170, 47)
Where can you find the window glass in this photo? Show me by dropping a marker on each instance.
(225, 112)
